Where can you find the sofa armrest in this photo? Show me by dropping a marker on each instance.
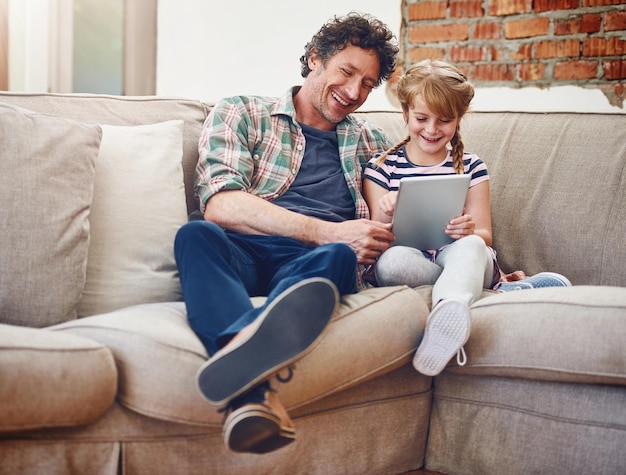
(51, 379)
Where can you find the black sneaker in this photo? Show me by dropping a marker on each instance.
(258, 423)
(283, 333)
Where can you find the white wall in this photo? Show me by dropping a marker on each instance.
(211, 49)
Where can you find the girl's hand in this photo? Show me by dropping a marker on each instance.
(461, 226)
(387, 203)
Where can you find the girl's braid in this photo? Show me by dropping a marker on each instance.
(381, 159)
(457, 152)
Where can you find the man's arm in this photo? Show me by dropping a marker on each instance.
(243, 212)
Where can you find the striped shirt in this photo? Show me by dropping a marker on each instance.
(397, 166)
(256, 145)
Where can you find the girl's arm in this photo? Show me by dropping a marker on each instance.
(380, 201)
(477, 215)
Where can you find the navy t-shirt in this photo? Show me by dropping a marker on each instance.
(320, 189)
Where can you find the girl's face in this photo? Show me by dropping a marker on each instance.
(429, 133)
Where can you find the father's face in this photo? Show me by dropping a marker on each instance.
(343, 84)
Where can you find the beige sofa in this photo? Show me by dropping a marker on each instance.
(97, 362)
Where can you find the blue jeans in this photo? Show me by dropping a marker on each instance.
(220, 270)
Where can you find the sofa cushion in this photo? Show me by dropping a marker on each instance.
(158, 355)
(558, 191)
(46, 186)
(127, 110)
(568, 334)
(493, 425)
(138, 205)
(52, 379)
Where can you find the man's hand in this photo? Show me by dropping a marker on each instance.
(246, 213)
(368, 239)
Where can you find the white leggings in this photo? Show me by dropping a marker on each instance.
(461, 270)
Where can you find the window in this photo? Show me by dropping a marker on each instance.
(4, 45)
(104, 47)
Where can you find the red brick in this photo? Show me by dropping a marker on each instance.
(468, 54)
(494, 72)
(591, 23)
(550, 5)
(526, 28)
(509, 7)
(434, 33)
(570, 26)
(427, 10)
(614, 21)
(466, 8)
(531, 71)
(557, 49)
(600, 3)
(524, 52)
(613, 46)
(487, 30)
(417, 54)
(614, 69)
(498, 55)
(575, 70)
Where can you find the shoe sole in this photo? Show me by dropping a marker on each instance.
(447, 330)
(256, 431)
(284, 332)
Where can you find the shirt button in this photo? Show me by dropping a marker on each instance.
(299, 147)
(256, 157)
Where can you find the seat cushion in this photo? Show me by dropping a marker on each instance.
(568, 334)
(51, 379)
(158, 355)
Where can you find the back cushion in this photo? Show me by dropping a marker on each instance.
(46, 186)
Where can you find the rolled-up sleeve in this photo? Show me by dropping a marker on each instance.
(225, 161)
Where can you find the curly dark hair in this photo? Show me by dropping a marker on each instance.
(356, 29)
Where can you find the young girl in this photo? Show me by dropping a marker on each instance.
(434, 96)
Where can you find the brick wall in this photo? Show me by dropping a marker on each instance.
(519, 43)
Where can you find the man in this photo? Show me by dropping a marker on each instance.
(279, 183)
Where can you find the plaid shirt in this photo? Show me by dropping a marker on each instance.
(254, 144)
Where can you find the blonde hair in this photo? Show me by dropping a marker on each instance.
(445, 90)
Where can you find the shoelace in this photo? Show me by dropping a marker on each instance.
(254, 395)
(461, 357)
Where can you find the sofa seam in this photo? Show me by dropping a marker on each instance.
(420, 394)
(482, 304)
(506, 407)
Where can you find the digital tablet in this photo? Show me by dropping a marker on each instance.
(425, 206)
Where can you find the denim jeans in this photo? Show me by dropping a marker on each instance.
(220, 270)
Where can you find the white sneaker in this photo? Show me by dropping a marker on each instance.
(543, 279)
(447, 330)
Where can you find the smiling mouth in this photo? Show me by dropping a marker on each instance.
(339, 99)
(429, 140)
